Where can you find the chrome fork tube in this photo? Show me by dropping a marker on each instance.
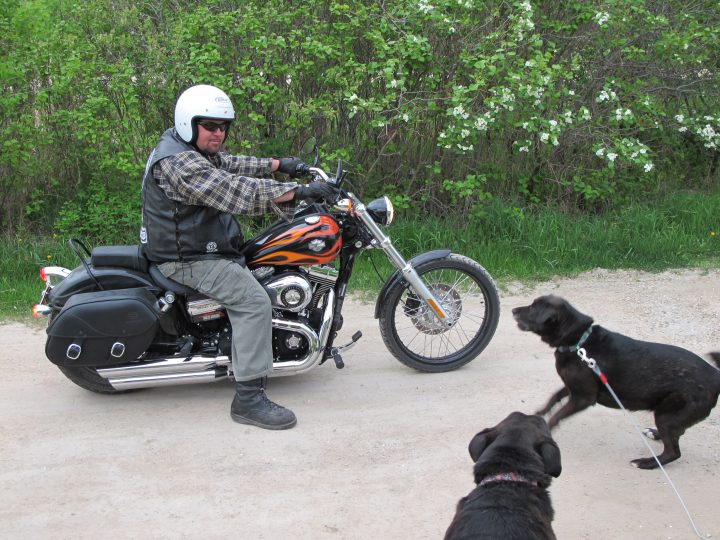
(409, 273)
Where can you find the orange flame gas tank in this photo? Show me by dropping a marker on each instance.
(309, 239)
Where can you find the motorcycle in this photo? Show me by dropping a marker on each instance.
(116, 323)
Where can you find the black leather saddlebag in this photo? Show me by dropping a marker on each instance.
(103, 328)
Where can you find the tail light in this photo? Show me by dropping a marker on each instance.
(40, 310)
(49, 273)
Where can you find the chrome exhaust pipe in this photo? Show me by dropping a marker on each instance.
(188, 364)
(201, 369)
(316, 342)
(170, 379)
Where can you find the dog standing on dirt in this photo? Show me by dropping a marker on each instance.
(514, 462)
(679, 386)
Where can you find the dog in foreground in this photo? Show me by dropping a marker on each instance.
(514, 462)
(676, 384)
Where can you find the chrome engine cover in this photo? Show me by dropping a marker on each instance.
(293, 292)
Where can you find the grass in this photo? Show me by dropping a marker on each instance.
(679, 232)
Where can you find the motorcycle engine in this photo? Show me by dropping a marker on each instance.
(293, 291)
(297, 293)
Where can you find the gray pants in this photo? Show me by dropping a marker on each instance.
(247, 305)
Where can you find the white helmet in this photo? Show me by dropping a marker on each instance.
(201, 101)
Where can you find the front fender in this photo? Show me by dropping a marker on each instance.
(397, 276)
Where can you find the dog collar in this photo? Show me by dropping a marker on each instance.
(576, 348)
(505, 477)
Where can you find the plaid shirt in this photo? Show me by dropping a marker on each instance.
(222, 181)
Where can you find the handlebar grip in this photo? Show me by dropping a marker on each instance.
(302, 169)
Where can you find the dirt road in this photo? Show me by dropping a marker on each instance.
(379, 452)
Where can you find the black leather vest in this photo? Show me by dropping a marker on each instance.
(173, 231)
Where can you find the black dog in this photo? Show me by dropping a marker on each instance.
(679, 386)
(513, 464)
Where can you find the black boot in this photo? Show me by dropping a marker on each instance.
(251, 406)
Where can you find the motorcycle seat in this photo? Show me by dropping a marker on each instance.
(168, 284)
(119, 256)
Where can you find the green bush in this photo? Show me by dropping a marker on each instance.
(586, 106)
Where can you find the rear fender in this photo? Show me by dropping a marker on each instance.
(111, 278)
(397, 277)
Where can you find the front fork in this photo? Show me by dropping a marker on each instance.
(408, 271)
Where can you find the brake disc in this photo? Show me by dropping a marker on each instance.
(424, 319)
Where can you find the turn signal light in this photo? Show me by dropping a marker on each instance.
(40, 310)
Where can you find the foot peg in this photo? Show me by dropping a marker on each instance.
(186, 349)
(335, 351)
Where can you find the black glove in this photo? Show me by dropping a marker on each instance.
(293, 167)
(316, 190)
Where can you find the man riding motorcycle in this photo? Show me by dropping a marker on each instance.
(190, 191)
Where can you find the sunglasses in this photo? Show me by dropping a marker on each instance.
(212, 126)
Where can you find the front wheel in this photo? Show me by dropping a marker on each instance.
(468, 295)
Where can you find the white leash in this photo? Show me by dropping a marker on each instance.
(592, 364)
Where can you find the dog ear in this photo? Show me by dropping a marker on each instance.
(550, 454)
(478, 444)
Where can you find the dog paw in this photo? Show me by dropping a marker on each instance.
(651, 433)
(644, 463)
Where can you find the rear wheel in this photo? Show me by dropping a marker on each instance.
(89, 379)
(416, 337)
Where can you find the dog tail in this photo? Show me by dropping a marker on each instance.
(716, 358)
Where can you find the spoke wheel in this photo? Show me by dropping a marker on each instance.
(469, 297)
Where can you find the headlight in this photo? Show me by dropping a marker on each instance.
(382, 211)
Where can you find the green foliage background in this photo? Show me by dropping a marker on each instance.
(445, 104)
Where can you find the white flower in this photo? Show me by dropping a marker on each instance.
(524, 149)
(682, 129)
(544, 137)
(525, 125)
(555, 141)
(425, 7)
(481, 124)
(553, 123)
(571, 92)
(600, 152)
(459, 111)
(464, 133)
(405, 117)
(648, 166)
(611, 156)
(601, 17)
(353, 97)
(393, 83)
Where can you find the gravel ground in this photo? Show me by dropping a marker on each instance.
(379, 451)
